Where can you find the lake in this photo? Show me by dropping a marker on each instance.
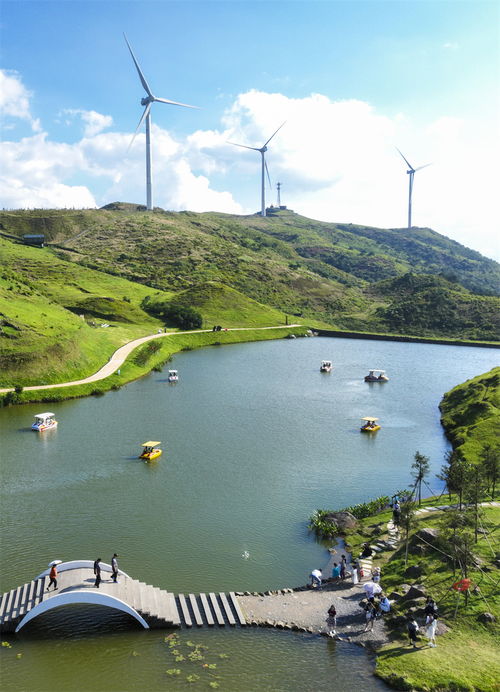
(255, 439)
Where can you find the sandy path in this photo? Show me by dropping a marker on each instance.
(120, 355)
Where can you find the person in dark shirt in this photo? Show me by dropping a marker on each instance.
(97, 572)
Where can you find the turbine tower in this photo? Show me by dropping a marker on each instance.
(411, 173)
(262, 151)
(147, 101)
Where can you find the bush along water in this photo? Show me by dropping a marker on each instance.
(323, 523)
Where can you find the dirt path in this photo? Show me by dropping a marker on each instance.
(120, 355)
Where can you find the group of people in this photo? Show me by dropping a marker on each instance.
(114, 570)
(430, 627)
(97, 572)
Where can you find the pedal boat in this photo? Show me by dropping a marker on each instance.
(173, 376)
(326, 366)
(370, 425)
(44, 421)
(373, 377)
(150, 451)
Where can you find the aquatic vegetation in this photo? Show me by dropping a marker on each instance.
(193, 657)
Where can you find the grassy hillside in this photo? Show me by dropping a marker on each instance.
(471, 413)
(320, 271)
(52, 312)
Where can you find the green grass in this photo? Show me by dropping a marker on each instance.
(43, 338)
(466, 657)
(470, 414)
(336, 274)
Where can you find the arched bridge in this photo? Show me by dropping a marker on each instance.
(150, 606)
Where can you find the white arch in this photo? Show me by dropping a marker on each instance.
(79, 564)
(74, 597)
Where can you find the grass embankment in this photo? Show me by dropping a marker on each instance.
(52, 312)
(471, 412)
(466, 657)
(140, 362)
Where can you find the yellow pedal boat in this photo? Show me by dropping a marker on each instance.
(150, 451)
(370, 425)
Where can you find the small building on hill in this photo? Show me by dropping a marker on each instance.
(37, 239)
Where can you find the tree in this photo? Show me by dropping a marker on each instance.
(454, 523)
(444, 474)
(407, 522)
(474, 491)
(489, 462)
(422, 469)
(455, 473)
(459, 476)
(182, 316)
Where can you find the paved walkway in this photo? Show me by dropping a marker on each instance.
(443, 508)
(119, 356)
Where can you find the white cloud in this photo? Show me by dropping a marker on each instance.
(15, 99)
(336, 161)
(94, 122)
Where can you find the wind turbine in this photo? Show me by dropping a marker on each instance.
(147, 101)
(411, 173)
(262, 151)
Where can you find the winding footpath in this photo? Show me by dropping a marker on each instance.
(121, 354)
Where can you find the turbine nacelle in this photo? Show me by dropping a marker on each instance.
(146, 100)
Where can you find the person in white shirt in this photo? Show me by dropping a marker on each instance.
(316, 576)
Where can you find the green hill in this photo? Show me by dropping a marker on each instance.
(471, 413)
(52, 313)
(349, 277)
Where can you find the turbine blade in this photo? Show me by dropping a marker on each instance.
(243, 146)
(268, 176)
(425, 166)
(409, 164)
(143, 117)
(174, 103)
(139, 71)
(270, 138)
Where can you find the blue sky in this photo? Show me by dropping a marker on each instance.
(352, 79)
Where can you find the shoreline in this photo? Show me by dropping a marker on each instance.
(304, 609)
(373, 336)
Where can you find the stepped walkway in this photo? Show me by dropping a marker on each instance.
(120, 355)
(150, 606)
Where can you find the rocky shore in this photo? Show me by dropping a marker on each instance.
(305, 609)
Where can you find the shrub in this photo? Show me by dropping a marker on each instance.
(145, 352)
(182, 316)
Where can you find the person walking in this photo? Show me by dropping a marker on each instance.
(412, 630)
(331, 620)
(430, 630)
(316, 577)
(97, 572)
(376, 574)
(53, 578)
(114, 568)
(370, 616)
